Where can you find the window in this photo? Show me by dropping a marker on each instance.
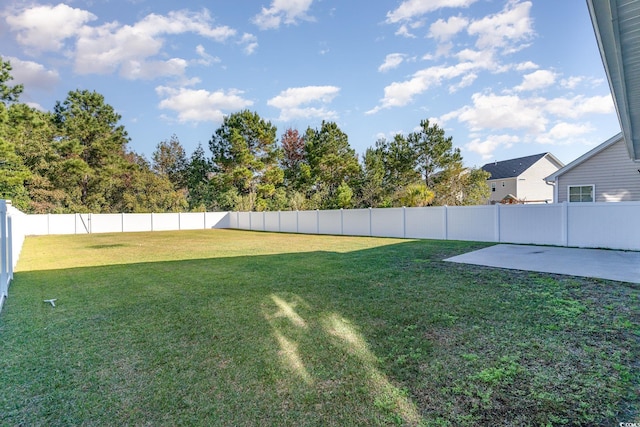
(493, 186)
(581, 193)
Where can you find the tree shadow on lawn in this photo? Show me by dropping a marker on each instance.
(388, 335)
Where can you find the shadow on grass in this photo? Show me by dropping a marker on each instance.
(388, 335)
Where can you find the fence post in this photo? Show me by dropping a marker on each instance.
(404, 222)
(317, 221)
(341, 221)
(446, 222)
(4, 251)
(496, 232)
(370, 223)
(564, 226)
(122, 221)
(10, 246)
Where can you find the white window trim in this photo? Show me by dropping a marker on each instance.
(593, 192)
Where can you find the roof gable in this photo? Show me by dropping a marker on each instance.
(512, 168)
(586, 156)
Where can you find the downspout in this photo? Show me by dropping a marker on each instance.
(555, 189)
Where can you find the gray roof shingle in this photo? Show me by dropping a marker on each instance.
(511, 168)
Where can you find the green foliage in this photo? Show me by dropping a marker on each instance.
(332, 163)
(434, 151)
(416, 195)
(245, 159)
(75, 159)
(8, 93)
(169, 160)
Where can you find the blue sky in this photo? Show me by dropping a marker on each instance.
(504, 78)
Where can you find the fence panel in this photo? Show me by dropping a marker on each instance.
(192, 220)
(604, 225)
(308, 222)
(165, 221)
(272, 221)
(5, 251)
(244, 220)
(257, 221)
(12, 228)
(136, 222)
(426, 223)
(68, 224)
(531, 224)
(37, 224)
(289, 221)
(476, 223)
(329, 222)
(388, 222)
(218, 219)
(356, 222)
(106, 223)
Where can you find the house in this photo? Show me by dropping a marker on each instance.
(616, 23)
(522, 179)
(604, 174)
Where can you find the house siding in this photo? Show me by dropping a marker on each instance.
(531, 184)
(510, 187)
(614, 174)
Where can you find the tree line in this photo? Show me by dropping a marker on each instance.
(76, 159)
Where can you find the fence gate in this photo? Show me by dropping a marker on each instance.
(83, 223)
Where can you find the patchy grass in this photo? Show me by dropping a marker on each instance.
(232, 328)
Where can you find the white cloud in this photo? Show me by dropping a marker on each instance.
(205, 58)
(571, 82)
(537, 80)
(506, 30)
(147, 70)
(580, 105)
(466, 81)
(485, 147)
(201, 105)
(283, 11)
(503, 32)
(391, 61)
(525, 66)
(250, 43)
(411, 9)
(445, 30)
(107, 48)
(133, 50)
(45, 28)
(32, 75)
(399, 94)
(403, 31)
(290, 102)
(491, 111)
(564, 132)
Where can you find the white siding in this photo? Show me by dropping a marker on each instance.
(531, 184)
(613, 173)
(510, 187)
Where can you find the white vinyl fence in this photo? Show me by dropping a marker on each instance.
(588, 225)
(44, 224)
(12, 232)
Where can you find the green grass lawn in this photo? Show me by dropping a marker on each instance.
(234, 328)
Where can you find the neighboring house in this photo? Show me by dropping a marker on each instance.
(604, 174)
(522, 179)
